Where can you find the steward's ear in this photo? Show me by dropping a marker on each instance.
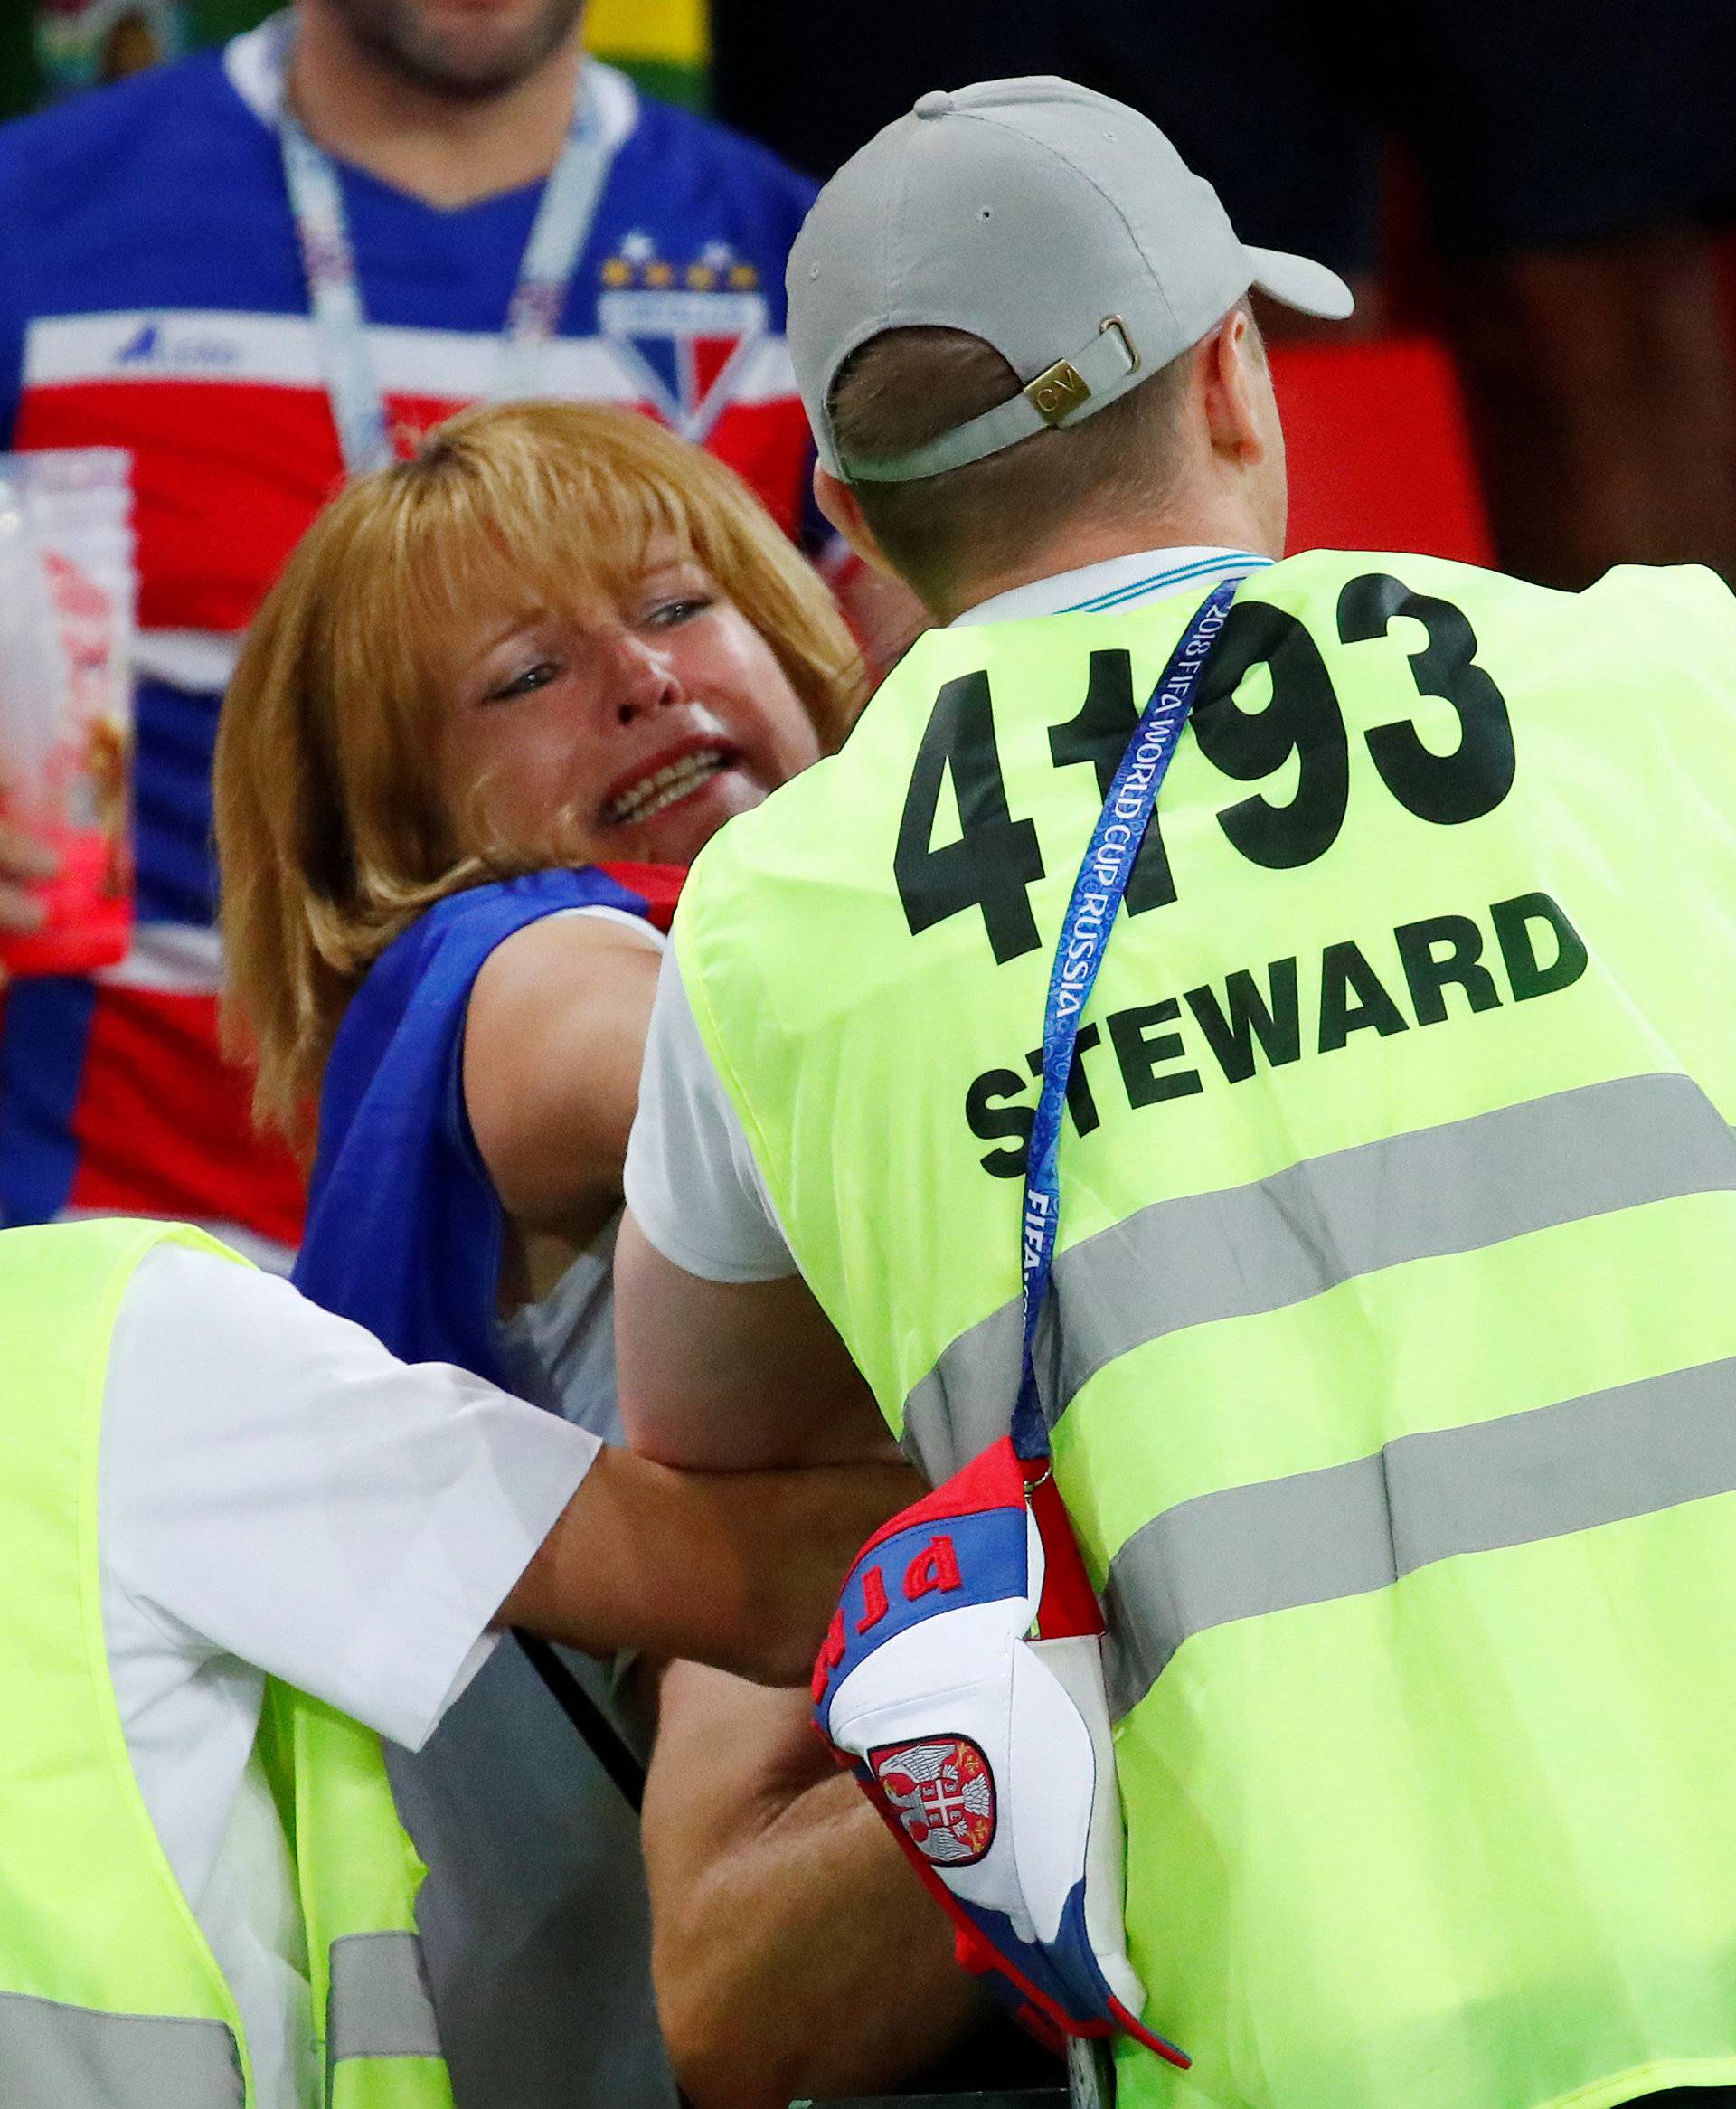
(838, 503)
(1235, 389)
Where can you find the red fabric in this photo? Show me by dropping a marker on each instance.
(1068, 1605)
(996, 1479)
(1379, 453)
(657, 884)
(228, 474)
(935, 1567)
(830, 1655)
(172, 1132)
(1131, 2026)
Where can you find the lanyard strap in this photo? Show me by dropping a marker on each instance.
(563, 220)
(1084, 935)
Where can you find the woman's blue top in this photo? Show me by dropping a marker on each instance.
(404, 1226)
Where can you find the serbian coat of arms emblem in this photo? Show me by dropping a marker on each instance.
(943, 1794)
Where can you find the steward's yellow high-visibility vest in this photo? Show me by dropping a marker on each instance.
(110, 1995)
(1391, 1353)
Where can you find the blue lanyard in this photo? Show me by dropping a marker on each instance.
(563, 220)
(1084, 936)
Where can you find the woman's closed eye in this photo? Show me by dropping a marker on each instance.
(523, 682)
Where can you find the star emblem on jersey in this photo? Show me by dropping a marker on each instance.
(943, 1792)
(685, 328)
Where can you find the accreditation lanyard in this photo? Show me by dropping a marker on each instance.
(563, 220)
(1084, 935)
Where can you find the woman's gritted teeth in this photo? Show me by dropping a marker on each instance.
(668, 778)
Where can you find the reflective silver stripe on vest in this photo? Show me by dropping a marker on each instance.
(1455, 1188)
(380, 2002)
(1317, 1536)
(55, 2057)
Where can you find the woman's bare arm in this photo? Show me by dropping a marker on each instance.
(554, 1041)
(794, 1951)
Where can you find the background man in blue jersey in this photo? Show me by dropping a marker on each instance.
(154, 297)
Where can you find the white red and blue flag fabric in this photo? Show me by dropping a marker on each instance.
(153, 298)
(962, 1679)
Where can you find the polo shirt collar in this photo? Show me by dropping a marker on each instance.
(1120, 581)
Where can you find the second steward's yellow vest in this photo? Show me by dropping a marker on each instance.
(110, 1995)
(1391, 1356)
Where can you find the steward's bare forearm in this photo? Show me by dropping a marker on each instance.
(737, 1569)
(794, 1951)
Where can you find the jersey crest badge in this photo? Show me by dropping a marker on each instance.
(686, 332)
(943, 1794)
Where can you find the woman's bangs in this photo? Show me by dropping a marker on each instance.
(614, 511)
(457, 598)
(505, 549)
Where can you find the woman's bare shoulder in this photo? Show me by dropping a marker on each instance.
(553, 1039)
(571, 940)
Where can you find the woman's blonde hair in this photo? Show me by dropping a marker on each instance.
(332, 832)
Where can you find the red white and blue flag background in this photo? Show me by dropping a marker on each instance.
(154, 299)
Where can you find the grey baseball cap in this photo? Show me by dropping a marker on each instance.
(1058, 224)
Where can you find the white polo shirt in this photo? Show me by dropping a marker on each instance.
(278, 1494)
(691, 1180)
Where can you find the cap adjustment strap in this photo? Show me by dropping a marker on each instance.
(1058, 396)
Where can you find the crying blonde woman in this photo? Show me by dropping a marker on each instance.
(500, 694)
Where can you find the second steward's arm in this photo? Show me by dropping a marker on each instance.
(278, 1485)
(737, 1569)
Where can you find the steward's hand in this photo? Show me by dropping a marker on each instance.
(22, 860)
(740, 1570)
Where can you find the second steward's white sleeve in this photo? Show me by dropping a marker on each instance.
(276, 1486)
(691, 1180)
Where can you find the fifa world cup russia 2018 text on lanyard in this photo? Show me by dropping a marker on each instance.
(1084, 934)
(557, 240)
(978, 1713)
